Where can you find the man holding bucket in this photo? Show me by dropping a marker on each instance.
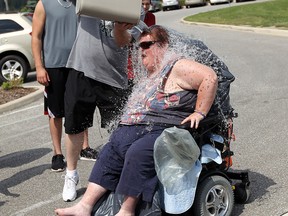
(98, 78)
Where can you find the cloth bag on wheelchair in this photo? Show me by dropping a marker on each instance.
(176, 156)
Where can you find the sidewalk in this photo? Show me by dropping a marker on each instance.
(267, 31)
(23, 100)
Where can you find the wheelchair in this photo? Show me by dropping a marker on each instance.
(218, 187)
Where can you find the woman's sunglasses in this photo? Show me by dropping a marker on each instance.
(146, 44)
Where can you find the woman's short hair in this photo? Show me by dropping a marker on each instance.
(158, 33)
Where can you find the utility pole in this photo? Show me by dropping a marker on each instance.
(6, 5)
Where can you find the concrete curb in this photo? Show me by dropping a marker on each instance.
(23, 100)
(267, 31)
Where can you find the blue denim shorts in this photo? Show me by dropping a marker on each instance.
(126, 165)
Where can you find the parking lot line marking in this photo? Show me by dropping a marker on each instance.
(25, 132)
(37, 205)
(22, 120)
(21, 110)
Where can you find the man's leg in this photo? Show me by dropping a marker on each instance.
(55, 125)
(86, 139)
(54, 108)
(79, 110)
(73, 143)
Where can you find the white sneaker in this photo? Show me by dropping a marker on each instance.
(69, 189)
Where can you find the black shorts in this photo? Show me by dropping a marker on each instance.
(54, 93)
(82, 96)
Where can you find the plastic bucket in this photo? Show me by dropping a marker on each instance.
(128, 11)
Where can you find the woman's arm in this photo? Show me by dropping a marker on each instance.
(190, 75)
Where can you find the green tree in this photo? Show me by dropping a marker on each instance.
(18, 5)
(30, 6)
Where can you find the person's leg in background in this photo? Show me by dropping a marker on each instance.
(87, 153)
(54, 108)
(55, 125)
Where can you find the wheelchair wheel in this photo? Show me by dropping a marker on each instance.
(214, 197)
(241, 192)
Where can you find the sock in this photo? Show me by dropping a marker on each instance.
(71, 172)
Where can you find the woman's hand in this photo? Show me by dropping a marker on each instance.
(194, 118)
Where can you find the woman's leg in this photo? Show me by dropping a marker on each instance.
(84, 208)
(128, 207)
(138, 178)
(105, 173)
(108, 167)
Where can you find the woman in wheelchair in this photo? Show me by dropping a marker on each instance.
(175, 91)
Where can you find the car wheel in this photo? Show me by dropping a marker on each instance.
(214, 196)
(13, 67)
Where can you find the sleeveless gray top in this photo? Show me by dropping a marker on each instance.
(149, 104)
(59, 32)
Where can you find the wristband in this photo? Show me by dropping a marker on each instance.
(202, 114)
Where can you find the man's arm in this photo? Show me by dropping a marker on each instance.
(121, 34)
(36, 43)
(124, 33)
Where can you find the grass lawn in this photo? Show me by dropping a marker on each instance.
(272, 13)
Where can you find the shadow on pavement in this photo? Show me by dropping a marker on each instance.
(259, 185)
(81, 192)
(21, 177)
(23, 157)
(19, 159)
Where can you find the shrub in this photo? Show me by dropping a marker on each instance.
(12, 84)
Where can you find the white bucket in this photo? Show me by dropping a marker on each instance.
(128, 11)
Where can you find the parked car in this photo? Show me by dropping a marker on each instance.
(189, 3)
(219, 1)
(16, 58)
(156, 5)
(243, 0)
(170, 4)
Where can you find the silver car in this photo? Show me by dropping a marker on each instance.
(169, 4)
(156, 5)
(16, 58)
(219, 1)
(189, 3)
